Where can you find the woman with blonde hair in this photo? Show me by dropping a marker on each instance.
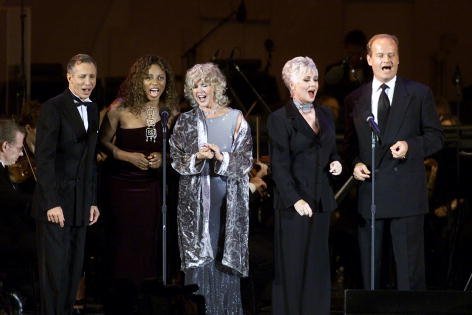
(211, 148)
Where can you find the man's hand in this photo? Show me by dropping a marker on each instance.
(94, 214)
(335, 168)
(55, 215)
(399, 149)
(361, 172)
(263, 171)
(303, 208)
(259, 184)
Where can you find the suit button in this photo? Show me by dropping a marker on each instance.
(395, 169)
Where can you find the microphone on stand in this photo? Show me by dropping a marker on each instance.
(215, 55)
(457, 77)
(164, 112)
(373, 125)
(231, 54)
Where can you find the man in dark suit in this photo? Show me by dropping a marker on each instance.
(11, 148)
(410, 131)
(14, 205)
(65, 195)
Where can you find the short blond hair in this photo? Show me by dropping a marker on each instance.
(377, 36)
(210, 74)
(295, 67)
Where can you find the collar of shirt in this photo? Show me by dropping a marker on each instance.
(82, 110)
(391, 86)
(87, 100)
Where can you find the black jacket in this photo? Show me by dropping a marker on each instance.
(66, 160)
(400, 183)
(300, 158)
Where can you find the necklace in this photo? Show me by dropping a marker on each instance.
(212, 111)
(149, 115)
(304, 108)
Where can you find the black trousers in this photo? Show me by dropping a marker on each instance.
(407, 234)
(302, 283)
(60, 262)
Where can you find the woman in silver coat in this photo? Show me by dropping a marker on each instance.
(211, 148)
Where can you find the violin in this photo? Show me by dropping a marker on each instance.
(23, 169)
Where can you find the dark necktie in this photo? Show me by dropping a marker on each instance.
(383, 107)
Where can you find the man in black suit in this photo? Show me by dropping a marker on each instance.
(65, 195)
(14, 205)
(11, 148)
(410, 131)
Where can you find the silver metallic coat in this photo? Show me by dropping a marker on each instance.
(190, 133)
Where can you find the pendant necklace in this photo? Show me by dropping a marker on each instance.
(150, 117)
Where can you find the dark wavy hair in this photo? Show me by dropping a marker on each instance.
(132, 88)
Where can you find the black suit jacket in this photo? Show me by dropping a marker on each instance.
(400, 183)
(300, 158)
(10, 198)
(65, 158)
(14, 213)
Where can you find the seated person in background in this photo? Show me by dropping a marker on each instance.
(22, 173)
(256, 181)
(348, 74)
(444, 112)
(13, 203)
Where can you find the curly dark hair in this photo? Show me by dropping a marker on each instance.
(132, 88)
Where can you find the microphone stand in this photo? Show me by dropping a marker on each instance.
(373, 209)
(190, 54)
(259, 97)
(164, 199)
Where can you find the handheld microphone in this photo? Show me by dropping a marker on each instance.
(373, 125)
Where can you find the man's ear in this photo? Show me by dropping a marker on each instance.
(3, 146)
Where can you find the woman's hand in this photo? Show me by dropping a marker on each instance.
(155, 160)
(205, 153)
(303, 208)
(335, 168)
(138, 159)
(216, 151)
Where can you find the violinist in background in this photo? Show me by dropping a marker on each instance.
(23, 172)
(346, 75)
(16, 237)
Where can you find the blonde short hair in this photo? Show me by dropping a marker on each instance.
(210, 74)
(377, 36)
(294, 68)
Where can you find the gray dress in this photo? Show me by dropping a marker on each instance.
(218, 284)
